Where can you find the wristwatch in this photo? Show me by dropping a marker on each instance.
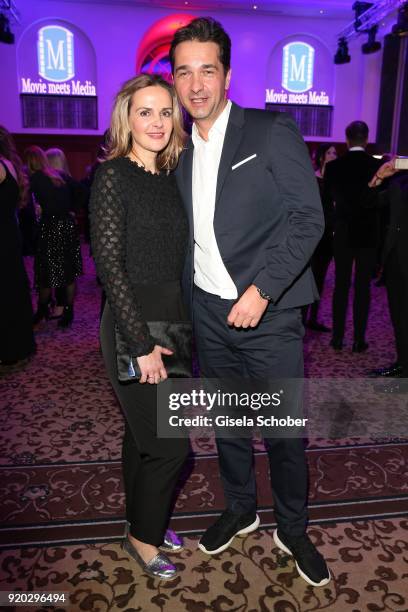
(264, 295)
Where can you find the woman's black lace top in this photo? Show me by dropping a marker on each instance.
(139, 234)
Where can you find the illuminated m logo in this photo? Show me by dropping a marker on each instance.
(297, 67)
(56, 54)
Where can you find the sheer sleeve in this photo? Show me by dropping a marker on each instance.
(108, 238)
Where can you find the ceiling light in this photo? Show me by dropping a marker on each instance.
(372, 45)
(401, 27)
(359, 8)
(370, 17)
(6, 35)
(342, 54)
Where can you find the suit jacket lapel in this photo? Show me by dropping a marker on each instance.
(187, 177)
(232, 139)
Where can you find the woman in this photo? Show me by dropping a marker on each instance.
(392, 195)
(16, 332)
(57, 160)
(325, 153)
(139, 237)
(58, 257)
(324, 251)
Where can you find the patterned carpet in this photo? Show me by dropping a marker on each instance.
(367, 560)
(61, 493)
(83, 501)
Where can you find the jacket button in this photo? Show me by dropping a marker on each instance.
(398, 228)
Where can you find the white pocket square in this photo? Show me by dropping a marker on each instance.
(243, 161)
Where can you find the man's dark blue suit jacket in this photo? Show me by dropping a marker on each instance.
(268, 215)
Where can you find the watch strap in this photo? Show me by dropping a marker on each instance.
(264, 295)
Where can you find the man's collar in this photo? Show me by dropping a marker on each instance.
(219, 126)
(356, 149)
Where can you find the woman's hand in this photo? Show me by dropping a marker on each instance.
(152, 367)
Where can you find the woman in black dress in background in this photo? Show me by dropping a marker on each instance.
(16, 330)
(57, 160)
(139, 237)
(58, 257)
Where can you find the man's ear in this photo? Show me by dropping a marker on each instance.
(228, 80)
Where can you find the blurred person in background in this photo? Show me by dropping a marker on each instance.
(16, 331)
(57, 160)
(86, 184)
(356, 234)
(323, 254)
(392, 194)
(58, 259)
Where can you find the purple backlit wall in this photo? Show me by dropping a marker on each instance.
(115, 33)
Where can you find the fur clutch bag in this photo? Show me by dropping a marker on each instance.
(174, 335)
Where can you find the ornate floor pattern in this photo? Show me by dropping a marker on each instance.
(61, 493)
(79, 502)
(367, 561)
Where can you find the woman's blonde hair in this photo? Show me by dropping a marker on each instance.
(37, 160)
(120, 137)
(56, 159)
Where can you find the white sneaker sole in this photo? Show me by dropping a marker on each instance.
(281, 545)
(241, 532)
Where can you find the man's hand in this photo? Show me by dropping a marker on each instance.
(387, 169)
(383, 172)
(247, 312)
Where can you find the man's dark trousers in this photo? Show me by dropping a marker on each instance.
(272, 350)
(364, 259)
(396, 281)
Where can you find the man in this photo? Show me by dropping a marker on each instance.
(356, 236)
(395, 259)
(255, 217)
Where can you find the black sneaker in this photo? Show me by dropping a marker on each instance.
(220, 535)
(309, 562)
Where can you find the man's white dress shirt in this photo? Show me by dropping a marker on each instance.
(210, 274)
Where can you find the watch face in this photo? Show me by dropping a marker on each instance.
(264, 295)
